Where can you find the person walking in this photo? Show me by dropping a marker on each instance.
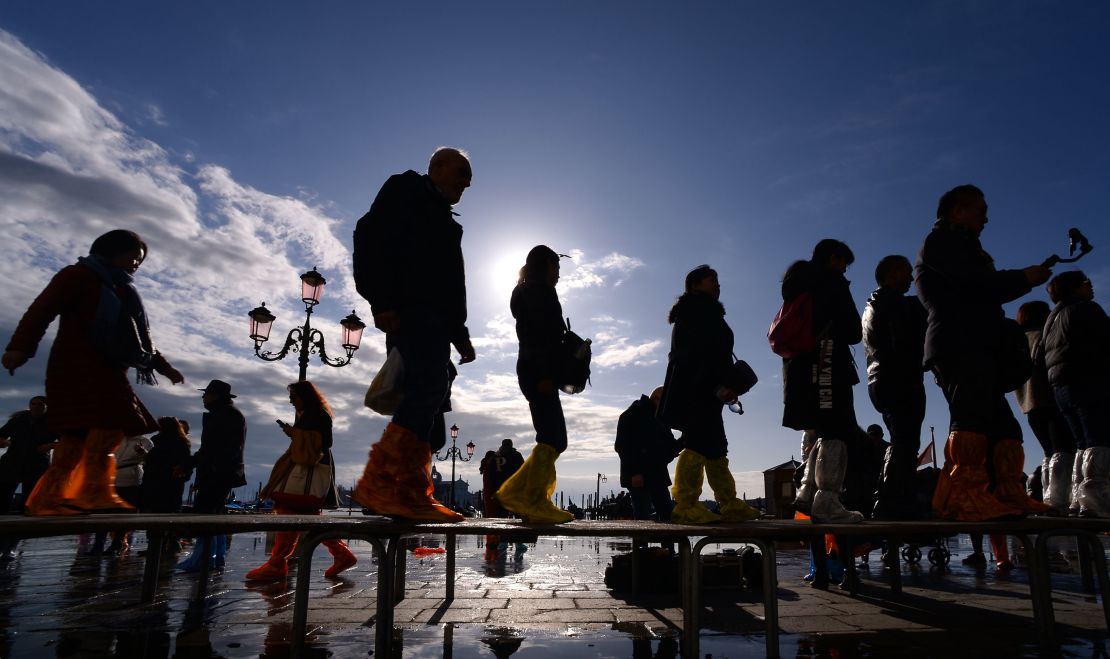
(695, 392)
(310, 442)
(817, 385)
(408, 264)
(218, 463)
(894, 341)
(1077, 357)
(1038, 401)
(168, 467)
(103, 332)
(646, 446)
(965, 344)
(539, 330)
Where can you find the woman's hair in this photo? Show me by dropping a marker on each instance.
(536, 264)
(170, 426)
(116, 242)
(830, 247)
(311, 398)
(1065, 285)
(1032, 315)
(698, 275)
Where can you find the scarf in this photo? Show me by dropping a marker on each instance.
(120, 331)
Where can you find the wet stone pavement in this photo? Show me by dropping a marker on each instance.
(552, 602)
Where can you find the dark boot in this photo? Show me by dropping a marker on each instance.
(894, 498)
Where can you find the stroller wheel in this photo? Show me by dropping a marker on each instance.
(911, 554)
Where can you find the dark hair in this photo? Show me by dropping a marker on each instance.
(1064, 286)
(698, 275)
(886, 266)
(829, 248)
(311, 398)
(116, 242)
(40, 397)
(1032, 315)
(536, 263)
(957, 196)
(873, 427)
(170, 426)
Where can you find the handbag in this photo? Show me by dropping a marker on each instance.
(791, 332)
(740, 376)
(307, 481)
(385, 391)
(574, 362)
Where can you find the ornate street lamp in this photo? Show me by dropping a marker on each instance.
(453, 454)
(597, 495)
(309, 338)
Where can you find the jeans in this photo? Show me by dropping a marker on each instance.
(975, 402)
(1085, 409)
(426, 351)
(651, 498)
(547, 414)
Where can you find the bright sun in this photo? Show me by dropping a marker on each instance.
(504, 272)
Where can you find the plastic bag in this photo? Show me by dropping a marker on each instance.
(385, 391)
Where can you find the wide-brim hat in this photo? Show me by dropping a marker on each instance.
(218, 387)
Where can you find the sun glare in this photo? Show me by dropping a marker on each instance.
(504, 271)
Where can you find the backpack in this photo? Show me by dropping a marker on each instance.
(574, 362)
(791, 332)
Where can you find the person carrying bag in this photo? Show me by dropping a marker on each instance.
(303, 482)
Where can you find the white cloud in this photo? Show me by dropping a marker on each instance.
(611, 269)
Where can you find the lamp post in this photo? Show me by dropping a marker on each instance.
(597, 495)
(453, 454)
(309, 338)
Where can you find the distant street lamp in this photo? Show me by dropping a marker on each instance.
(597, 495)
(310, 339)
(453, 454)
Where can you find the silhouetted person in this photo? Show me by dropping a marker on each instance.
(28, 441)
(1038, 401)
(1077, 355)
(696, 390)
(102, 334)
(408, 264)
(539, 330)
(894, 340)
(646, 446)
(963, 293)
(218, 461)
(168, 467)
(817, 385)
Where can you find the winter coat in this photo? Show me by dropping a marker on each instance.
(1077, 344)
(698, 364)
(23, 461)
(408, 254)
(539, 330)
(644, 444)
(1036, 393)
(808, 402)
(894, 338)
(310, 445)
(130, 459)
(963, 294)
(85, 389)
(167, 468)
(219, 460)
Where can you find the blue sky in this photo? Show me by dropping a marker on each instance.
(245, 139)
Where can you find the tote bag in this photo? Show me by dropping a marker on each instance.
(307, 481)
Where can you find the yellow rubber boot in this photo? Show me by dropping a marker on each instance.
(687, 491)
(528, 492)
(724, 490)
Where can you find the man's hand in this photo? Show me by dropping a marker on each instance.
(387, 321)
(174, 375)
(466, 351)
(726, 394)
(636, 481)
(12, 360)
(1037, 274)
(545, 386)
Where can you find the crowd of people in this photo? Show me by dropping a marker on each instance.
(408, 264)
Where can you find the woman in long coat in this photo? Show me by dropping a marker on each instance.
(694, 395)
(309, 447)
(102, 334)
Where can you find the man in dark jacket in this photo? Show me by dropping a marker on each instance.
(29, 442)
(963, 294)
(646, 446)
(408, 264)
(894, 340)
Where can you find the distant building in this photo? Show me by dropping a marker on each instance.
(778, 483)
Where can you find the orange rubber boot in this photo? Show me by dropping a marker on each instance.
(49, 494)
(415, 488)
(964, 496)
(343, 558)
(97, 490)
(1001, 552)
(397, 480)
(379, 478)
(276, 567)
(1009, 461)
